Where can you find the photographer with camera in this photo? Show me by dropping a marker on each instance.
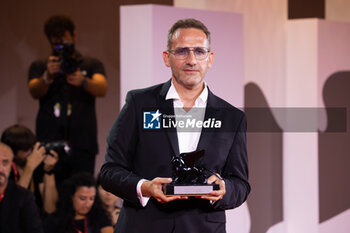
(66, 84)
(33, 166)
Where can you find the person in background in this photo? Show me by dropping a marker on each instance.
(79, 208)
(32, 167)
(66, 84)
(112, 203)
(18, 211)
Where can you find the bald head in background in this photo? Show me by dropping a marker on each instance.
(6, 157)
(18, 211)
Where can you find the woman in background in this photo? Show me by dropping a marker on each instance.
(112, 203)
(79, 209)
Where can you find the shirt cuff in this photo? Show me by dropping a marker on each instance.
(143, 200)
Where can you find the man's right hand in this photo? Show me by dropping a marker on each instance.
(36, 157)
(153, 188)
(53, 66)
(39, 86)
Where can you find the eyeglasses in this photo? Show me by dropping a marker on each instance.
(200, 53)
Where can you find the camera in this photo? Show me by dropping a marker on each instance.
(61, 147)
(64, 52)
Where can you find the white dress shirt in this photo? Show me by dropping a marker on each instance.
(187, 138)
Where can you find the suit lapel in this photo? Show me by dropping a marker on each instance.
(212, 111)
(167, 108)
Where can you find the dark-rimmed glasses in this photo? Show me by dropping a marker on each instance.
(200, 53)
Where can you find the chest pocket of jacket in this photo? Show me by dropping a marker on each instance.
(216, 152)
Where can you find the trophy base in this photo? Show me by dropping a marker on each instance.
(189, 190)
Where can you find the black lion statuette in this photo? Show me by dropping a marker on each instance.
(184, 169)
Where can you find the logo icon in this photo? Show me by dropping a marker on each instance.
(151, 120)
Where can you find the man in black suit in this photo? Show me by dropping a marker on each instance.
(18, 211)
(138, 159)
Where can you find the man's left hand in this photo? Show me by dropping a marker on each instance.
(50, 161)
(218, 194)
(76, 78)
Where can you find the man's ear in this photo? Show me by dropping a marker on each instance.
(166, 58)
(211, 58)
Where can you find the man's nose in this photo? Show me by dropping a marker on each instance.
(191, 58)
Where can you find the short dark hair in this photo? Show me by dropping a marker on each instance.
(187, 23)
(18, 137)
(57, 25)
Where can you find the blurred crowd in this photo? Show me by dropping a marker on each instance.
(47, 179)
(33, 199)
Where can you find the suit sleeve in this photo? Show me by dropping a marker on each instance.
(235, 172)
(116, 174)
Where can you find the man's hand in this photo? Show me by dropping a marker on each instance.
(36, 157)
(50, 161)
(153, 188)
(218, 194)
(76, 78)
(39, 86)
(53, 66)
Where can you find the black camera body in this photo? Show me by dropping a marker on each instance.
(60, 147)
(64, 52)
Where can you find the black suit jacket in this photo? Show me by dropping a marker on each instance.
(134, 153)
(19, 213)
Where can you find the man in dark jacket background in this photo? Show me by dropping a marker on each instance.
(18, 211)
